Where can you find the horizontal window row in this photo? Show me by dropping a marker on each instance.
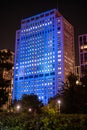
(36, 76)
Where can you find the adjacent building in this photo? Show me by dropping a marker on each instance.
(6, 74)
(44, 55)
(82, 42)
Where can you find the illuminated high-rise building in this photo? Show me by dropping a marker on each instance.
(44, 55)
(82, 42)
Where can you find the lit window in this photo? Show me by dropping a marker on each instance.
(59, 68)
(59, 51)
(39, 97)
(58, 32)
(45, 24)
(50, 83)
(59, 55)
(59, 72)
(59, 59)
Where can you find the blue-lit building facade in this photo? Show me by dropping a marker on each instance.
(44, 55)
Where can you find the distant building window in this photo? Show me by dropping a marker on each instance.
(84, 39)
(80, 39)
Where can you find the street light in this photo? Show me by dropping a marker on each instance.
(77, 82)
(29, 109)
(18, 107)
(59, 102)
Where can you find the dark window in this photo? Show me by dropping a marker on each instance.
(26, 77)
(31, 76)
(21, 78)
(52, 73)
(41, 75)
(84, 39)
(85, 57)
(80, 39)
(35, 76)
(58, 28)
(81, 58)
(47, 74)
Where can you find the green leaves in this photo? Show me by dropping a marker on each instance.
(23, 121)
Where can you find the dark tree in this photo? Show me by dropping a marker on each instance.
(84, 86)
(30, 103)
(3, 92)
(73, 96)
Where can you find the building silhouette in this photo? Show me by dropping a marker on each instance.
(44, 55)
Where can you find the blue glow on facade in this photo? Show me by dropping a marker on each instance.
(39, 56)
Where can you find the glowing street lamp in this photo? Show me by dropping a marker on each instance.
(18, 107)
(77, 82)
(29, 109)
(59, 102)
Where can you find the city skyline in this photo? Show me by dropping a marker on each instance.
(12, 12)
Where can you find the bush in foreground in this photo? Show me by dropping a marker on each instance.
(25, 121)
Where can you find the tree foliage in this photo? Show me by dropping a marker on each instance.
(30, 102)
(3, 91)
(73, 96)
(19, 121)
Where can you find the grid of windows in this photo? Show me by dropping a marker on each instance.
(38, 56)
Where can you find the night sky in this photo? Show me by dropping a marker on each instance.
(11, 13)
